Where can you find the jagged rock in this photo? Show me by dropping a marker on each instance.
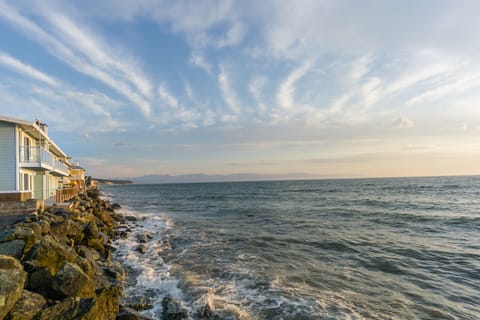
(70, 229)
(39, 281)
(12, 280)
(139, 306)
(51, 254)
(97, 244)
(130, 314)
(105, 218)
(107, 205)
(32, 217)
(70, 280)
(93, 193)
(87, 266)
(114, 270)
(206, 312)
(90, 254)
(143, 237)
(23, 232)
(27, 307)
(13, 248)
(172, 309)
(51, 218)
(45, 226)
(131, 218)
(141, 248)
(116, 206)
(91, 230)
(67, 309)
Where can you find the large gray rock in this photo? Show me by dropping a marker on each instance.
(51, 254)
(70, 308)
(12, 280)
(27, 307)
(21, 231)
(13, 248)
(88, 253)
(70, 280)
(40, 281)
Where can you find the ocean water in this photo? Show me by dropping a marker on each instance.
(404, 248)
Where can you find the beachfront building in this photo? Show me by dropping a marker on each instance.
(32, 166)
(77, 177)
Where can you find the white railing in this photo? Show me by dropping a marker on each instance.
(35, 155)
(42, 157)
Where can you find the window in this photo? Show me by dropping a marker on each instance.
(26, 148)
(25, 182)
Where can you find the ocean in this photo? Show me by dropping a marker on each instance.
(403, 248)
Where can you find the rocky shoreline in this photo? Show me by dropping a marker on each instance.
(57, 264)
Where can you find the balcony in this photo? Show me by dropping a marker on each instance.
(37, 158)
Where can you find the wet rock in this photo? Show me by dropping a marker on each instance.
(70, 280)
(130, 314)
(12, 280)
(13, 248)
(206, 311)
(141, 248)
(131, 218)
(27, 307)
(143, 237)
(173, 309)
(140, 306)
(115, 271)
(116, 206)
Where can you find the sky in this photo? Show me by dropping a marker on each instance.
(326, 88)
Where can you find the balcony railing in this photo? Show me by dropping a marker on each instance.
(60, 166)
(42, 158)
(65, 194)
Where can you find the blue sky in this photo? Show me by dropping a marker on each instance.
(329, 88)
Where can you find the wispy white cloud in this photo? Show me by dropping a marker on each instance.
(167, 97)
(25, 69)
(360, 67)
(189, 90)
(256, 87)
(233, 36)
(228, 93)
(81, 50)
(199, 61)
(286, 92)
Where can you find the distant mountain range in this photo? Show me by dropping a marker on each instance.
(110, 181)
(192, 178)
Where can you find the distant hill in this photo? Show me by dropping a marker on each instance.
(110, 181)
(192, 178)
